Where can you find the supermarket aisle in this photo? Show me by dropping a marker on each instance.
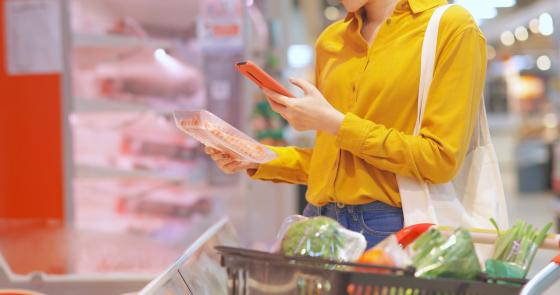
(535, 208)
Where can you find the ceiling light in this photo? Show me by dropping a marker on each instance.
(534, 26)
(546, 24)
(521, 33)
(160, 54)
(507, 38)
(544, 63)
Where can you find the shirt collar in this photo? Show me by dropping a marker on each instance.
(415, 6)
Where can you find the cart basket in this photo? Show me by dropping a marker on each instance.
(255, 272)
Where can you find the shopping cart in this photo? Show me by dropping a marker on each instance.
(256, 272)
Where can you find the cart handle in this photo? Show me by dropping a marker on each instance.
(488, 236)
(543, 279)
(556, 259)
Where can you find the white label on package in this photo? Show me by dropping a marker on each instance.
(33, 36)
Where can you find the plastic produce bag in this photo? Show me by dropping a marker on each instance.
(424, 245)
(409, 234)
(454, 258)
(320, 237)
(216, 133)
(515, 250)
(388, 253)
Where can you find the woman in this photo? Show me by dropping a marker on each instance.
(364, 108)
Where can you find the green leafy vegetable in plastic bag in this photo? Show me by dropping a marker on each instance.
(425, 243)
(515, 250)
(454, 258)
(322, 237)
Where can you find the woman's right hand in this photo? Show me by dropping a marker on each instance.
(228, 162)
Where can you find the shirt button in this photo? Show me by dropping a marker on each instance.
(388, 21)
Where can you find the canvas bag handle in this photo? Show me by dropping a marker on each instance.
(427, 68)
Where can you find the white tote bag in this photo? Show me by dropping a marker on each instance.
(476, 193)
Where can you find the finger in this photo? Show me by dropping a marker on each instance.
(235, 167)
(278, 98)
(209, 151)
(280, 109)
(224, 162)
(304, 85)
(220, 156)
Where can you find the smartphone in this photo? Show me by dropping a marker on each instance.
(261, 78)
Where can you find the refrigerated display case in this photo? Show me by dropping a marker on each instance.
(132, 64)
(179, 270)
(137, 190)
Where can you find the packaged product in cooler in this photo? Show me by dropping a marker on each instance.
(515, 249)
(214, 132)
(321, 237)
(454, 258)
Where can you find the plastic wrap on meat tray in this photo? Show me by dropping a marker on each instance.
(215, 132)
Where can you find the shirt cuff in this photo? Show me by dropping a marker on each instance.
(275, 170)
(353, 133)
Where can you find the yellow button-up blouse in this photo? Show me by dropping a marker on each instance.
(376, 87)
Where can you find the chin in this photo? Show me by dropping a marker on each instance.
(352, 9)
(352, 5)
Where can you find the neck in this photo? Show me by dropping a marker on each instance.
(377, 11)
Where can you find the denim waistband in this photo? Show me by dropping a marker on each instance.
(373, 206)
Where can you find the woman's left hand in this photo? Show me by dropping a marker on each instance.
(310, 112)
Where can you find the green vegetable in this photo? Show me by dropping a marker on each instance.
(315, 237)
(515, 250)
(425, 243)
(501, 269)
(455, 258)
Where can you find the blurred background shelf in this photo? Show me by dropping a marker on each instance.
(90, 171)
(118, 41)
(92, 105)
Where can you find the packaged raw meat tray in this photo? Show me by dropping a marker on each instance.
(215, 132)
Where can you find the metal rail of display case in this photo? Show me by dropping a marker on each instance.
(198, 270)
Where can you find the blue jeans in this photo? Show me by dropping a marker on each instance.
(375, 220)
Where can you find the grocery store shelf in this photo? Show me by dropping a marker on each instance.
(84, 105)
(84, 171)
(90, 171)
(116, 41)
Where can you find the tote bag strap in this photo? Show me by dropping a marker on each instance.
(427, 63)
(427, 66)
(483, 135)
